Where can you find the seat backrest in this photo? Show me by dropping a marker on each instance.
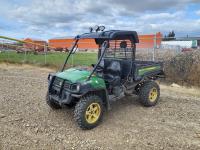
(126, 68)
(122, 66)
(112, 67)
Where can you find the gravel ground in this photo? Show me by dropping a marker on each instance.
(26, 122)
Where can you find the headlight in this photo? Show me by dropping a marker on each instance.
(75, 87)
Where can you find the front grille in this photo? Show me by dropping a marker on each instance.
(59, 86)
(58, 82)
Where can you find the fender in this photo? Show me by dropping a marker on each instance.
(102, 93)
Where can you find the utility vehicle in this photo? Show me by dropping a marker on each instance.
(116, 74)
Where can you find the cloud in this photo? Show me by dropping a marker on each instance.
(69, 17)
(162, 16)
(198, 12)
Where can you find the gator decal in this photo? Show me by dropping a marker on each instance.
(148, 69)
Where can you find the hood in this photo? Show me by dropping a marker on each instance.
(74, 74)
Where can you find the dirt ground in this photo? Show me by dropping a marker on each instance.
(26, 121)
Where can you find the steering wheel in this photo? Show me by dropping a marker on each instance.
(100, 67)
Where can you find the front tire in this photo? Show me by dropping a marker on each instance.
(88, 112)
(149, 93)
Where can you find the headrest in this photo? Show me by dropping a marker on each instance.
(123, 44)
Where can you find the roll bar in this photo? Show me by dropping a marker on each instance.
(71, 51)
(103, 49)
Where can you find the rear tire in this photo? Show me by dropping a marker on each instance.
(149, 93)
(52, 104)
(88, 112)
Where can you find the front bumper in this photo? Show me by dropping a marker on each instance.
(60, 100)
(58, 91)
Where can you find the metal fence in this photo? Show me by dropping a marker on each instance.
(152, 49)
(159, 49)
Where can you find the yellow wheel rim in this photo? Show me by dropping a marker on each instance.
(153, 94)
(92, 113)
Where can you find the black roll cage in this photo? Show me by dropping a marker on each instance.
(70, 52)
(103, 39)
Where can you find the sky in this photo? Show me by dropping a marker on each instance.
(57, 18)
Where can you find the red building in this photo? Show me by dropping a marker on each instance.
(146, 41)
(149, 40)
(66, 42)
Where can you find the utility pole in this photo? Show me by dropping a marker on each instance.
(154, 48)
(45, 54)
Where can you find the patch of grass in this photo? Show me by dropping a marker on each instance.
(52, 59)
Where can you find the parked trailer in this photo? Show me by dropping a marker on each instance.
(35, 44)
(182, 44)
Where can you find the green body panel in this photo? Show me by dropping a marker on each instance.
(142, 71)
(80, 76)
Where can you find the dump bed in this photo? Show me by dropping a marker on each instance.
(147, 69)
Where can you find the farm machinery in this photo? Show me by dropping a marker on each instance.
(115, 75)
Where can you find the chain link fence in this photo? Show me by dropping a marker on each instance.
(181, 56)
(150, 49)
(160, 49)
(18, 51)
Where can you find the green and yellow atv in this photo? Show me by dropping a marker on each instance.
(115, 75)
